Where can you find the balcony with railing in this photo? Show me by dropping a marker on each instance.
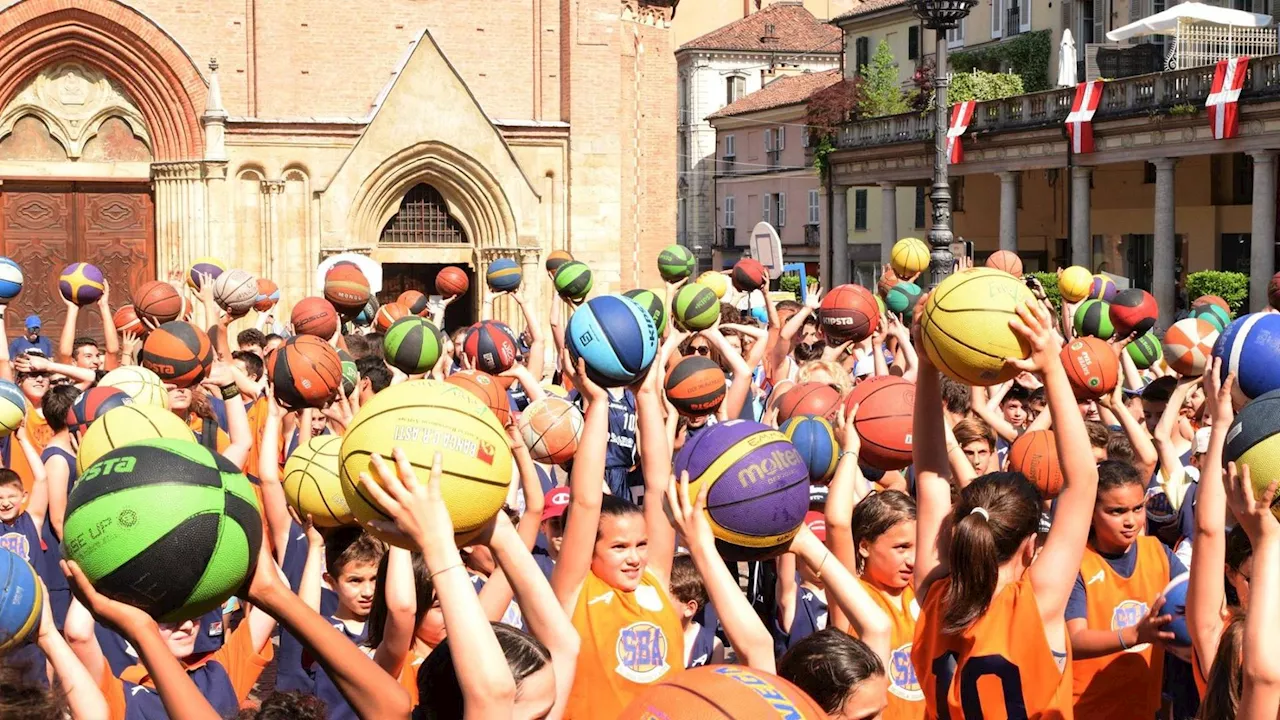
(1123, 98)
(811, 236)
(1013, 21)
(727, 237)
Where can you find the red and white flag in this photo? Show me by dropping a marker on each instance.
(961, 115)
(1080, 121)
(1224, 99)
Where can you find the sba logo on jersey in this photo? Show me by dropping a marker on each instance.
(17, 544)
(1128, 614)
(642, 652)
(903, 682)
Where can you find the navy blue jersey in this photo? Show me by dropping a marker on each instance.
(810, 617)
(336, 707)
(290, 673)
(704, 644)
(120, 654)
(69, 458)
(44, 552)
(621, 450)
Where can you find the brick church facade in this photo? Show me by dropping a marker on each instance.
(141, 135)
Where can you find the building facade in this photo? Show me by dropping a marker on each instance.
(696, 18)
(421, 136)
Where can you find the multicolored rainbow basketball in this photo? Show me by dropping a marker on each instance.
(13, 407)
(212, 267)
(1250, 348)
(1093, 318)
(1212, 314)
(311, 482)
(651, 301)
(126, 425)
(81, 283)
(1145, 350)
(616, 338)
(140, 384)
(551, 428)
(573, 281)
(815, 440)
(10, 280)
(1075, 283)
(412, 345)
(21, 599)
(759, 485)
(93, 404)
(696, 307)
(966, 325)
(909, 256)
(503, 275)
(1103, 288)
(676, 263)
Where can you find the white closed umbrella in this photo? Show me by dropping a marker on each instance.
(1067, 60)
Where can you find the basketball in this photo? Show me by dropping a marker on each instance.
(748, 274)
(212, 267)
(815, 440)
(268, 295)
(883, 421)
(1091, 367)
(80, 283)
(809, 398)
(556, 258)
(491, 346)
(886, 283)
(315, 316)
(722, 692)
(1212, 314)
(848, 313)
(651, 302)
(306, 372)
(696, 386)
(1034, 455)
(350, 373)
(441, 418)
(1075, 283)
(10, 280)
(177, 352)
(91, 405)
(235, 291)
(413, 301)
(412, 345)
(157, 302)
(551, 428)
(486, 387)
(966, 325)
(21, 600)
(1250, 348)
(765, 494)
(126, 425)
(126, 320)
(910, 256)
(389, 314)
(138, 383)
(615, 337)
(167, 526)
(452, 281)
(573, 281)
(1254, 440)
(1102, 288)
(1175, 604)
(311, 483)
(1145, 350)
(1188, 346)
(1133, 311)
(1212, 300)
(13, 407)
(717, 281)
(1006, 261)
(902, 298)
(676, 263)
(504, 275)
(1093, 318)
(365, 316)
(346, 287)
(696, 307)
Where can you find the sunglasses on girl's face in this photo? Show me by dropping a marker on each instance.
(701, 350)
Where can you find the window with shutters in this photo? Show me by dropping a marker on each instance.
(735, 87)
(913, 42)
(997, 18)
(955, 36)
(860, 210)
(730, 211)
(423, 219)
(814, 214)
(780, 209)
(766, 208)
(862, 52)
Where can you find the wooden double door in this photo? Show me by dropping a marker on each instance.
(45, 227)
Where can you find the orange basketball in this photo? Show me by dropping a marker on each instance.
(388, 314)
(178, 352)
(1006, 261)
(452, 281)
(268, 295)
(884, 420)
(551, 428)
(415, 301)
(346, 287)
(157, 302)
(810, 398)
(306, 372)
(315, 316)
(126, 320)
(1036, 456)
(1091, 367)
(722, 692)
(487, 388)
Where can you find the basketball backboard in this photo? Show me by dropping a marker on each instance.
(766, 247)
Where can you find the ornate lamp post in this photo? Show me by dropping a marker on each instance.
(941, 16)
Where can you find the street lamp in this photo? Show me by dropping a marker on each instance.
(941, 16)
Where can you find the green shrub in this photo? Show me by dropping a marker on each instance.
(1230, 286)
(982, 86)
(789, 282)
(1026, 55)
(882, 93)
(1050, 282)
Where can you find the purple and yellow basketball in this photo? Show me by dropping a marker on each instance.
(759, 486)
(81, 283)
(1103, 288)
(212, 267)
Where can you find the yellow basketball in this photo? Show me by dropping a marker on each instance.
(717, 281)
(909, 256)
(423, 417)
(966, 325)
(140, 384)
(1074, 283)
(311, 483)
(128, 424)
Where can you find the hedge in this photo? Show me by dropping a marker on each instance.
(1050, 282)
(1230, 286)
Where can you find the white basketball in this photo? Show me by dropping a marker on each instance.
(235, 291)
(10, 280)
(138, 383)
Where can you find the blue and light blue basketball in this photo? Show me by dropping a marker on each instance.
(616, 338)
(10, 280)
(503, 275)
(1250, 348)
(21, 598)
(815, 439)
(1175, 604)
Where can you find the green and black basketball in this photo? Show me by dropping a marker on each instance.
(350, 374)
(1093, 318)
(902, 298)
(167, 526)
(696, 307)
(651, 303)
(412, 345)
(1145, 350)
(676, 263)
(573, 281)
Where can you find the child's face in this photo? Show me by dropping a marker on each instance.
(622, 551)
(12, 498)
(553, 529)
(890, 559)
(180, 637)
(1088, 409)
(354, 586)
(979, 453)
(1015, 412)
(1118, 515)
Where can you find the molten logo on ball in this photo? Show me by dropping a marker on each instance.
(768, 468)
(764, 689)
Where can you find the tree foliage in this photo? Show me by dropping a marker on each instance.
(982, 86)
(1230, 286)
(882, 92)
(1026, 55)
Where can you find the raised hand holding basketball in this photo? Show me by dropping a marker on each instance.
(104, 301)
(1217, 393)
(417, 510)
(120, 617)
(690, 516)
(845, 432)
(1252, 507)
(1034, 325)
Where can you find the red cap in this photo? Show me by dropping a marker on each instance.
(557, 501)
(817, 522)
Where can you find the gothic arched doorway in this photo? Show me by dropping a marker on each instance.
(424, 220)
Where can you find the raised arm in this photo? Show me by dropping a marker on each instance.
(846, 489)
(274, 506)
(537, 338)
(110, 336)
(1260, 698)
(740, 387)
(868, 619)
(933, 476)
(1144, 451)
(67, 339)
(221, 380)
(80, 689)
(655, 464)
(1173, 477)
(1205, 590)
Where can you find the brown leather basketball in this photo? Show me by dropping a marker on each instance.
(388, 314)
(346, 287)
(415, 301)
(306, 372)
(486, 387)
(178, 352)
(315, 316)
(157, 302)
(452, 281)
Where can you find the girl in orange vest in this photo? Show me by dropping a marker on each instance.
(991, 640)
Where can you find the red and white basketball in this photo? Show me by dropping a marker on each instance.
(1188, 345)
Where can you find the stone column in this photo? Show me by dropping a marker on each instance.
(1162, 258)
(180, 215)
(272, 191)
(888, 220)
(1081, 239)
(1262, 252)
(839, 237)
(1008, 211)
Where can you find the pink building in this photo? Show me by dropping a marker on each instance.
(764, 171)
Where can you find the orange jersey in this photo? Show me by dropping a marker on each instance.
(196, 423)
(257, 412)
(408, 676)
(40, 434)
(1113, 602)
(999, 668)
(630, 640)
(906, 701)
